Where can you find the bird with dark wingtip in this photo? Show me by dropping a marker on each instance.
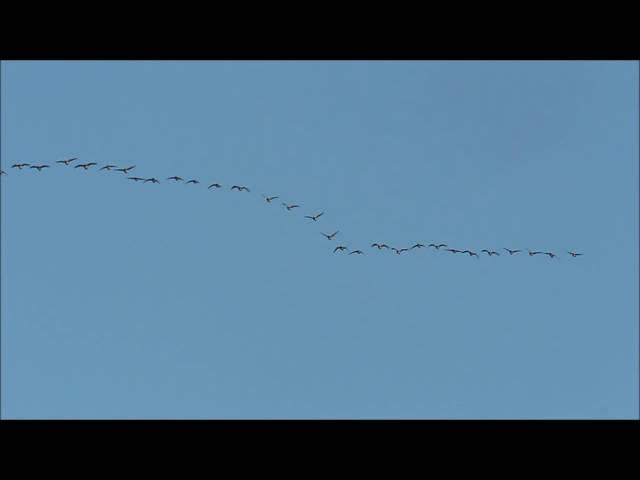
(214, 185)
(20, 166)
(68, 161)
(240, 188)
(152, 180)
(438, 247)
(340, 248)
(85, 166)
(193, 181)
(512, 252)
(125, 170)
(330, 237)
(39, 167)
(380, 246)
(314, 217)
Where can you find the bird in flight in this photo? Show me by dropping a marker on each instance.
(2, 172)
(240, 188)
(289, 207)
(531, 254)
(380, 246)
(453, 250)
(471, 254)
(511, 252)
(108, 167)
(270, 199)
(217, 185)
(398, 252)
(85, 165)
(152, 180)
(551, 255)
(330, 237)
(417, 245)
(176, 178)
(437, 247)
(490, 252)
(39, 167)
(340, 247)
(125, 170)
(574, 254)
(314, 217)
(20, 166)
(192, 181)
(357, 252)
(136, 179)
(68, 161)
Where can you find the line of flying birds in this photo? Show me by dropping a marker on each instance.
(289, 207)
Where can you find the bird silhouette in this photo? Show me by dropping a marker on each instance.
(550, 255)
(108, 167)
(136, 179)
(357, 252)
(289, 207)
(68, 161)
(2, 172)
(512, 252)
(125, 170)
(330, 237)
(531, 254)
(417, 245)
(380, 246)
(152, 180)
(85, 165)
(471, 254)
(452, 250)
(20, 166)
(217, 185)
(438, 247)
(314, 217)
(195, 182)
(39, 167)
(398, 252)
(490, 252)
(239, 188)
(176, 178)
(574, 255)
(270, 199)
(340, 247)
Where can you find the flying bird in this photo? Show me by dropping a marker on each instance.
(417, 245)
(340, 247)
(490, 252)
(314, 217)
(85, 165)
(108, 167)
(330, 237)
(176, 178)
(192, 181)
(136, 179)
(239, 188)
(125, 170)
(399, 251)
(270, 199)
(531, 254)
(152, 180)
(511, 252)
(437, 247)
(574, 255)
(217, 185)
(380, 246)
(471, 254)
(551, 255)
(289, 207)
(20, 166)
(68, 161)
(39, 167)
(357, 252)
(2, 172)
(453, 250)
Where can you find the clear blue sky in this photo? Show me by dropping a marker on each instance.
(124, 300)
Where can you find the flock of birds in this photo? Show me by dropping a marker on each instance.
(289, 207)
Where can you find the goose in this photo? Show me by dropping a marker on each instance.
(330, 237)
(125, 170)
(239, 188)
(398, 252)
(289, 207)
(452, 250)
(85, 165)
(380, 246)
(437, 247)
(217, 185)
(39, 167)
(490, 252)
(20, 166)
(2, 172)
(357, 252)
(314, 217)
(531, 254)
(176, 178)
(340, 247)
(68, 161)
(417, 245)
(108, 167)
(136, 179)
(574, 254)
(512, 252)
(270, 199)
(550, 255)
(152, 180)
(195, 182)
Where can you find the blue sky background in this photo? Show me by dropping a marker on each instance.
(123, 300)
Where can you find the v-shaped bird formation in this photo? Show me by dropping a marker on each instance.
(289, 206)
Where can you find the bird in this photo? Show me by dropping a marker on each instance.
(108, 167)
(549, 254)
(314, 217)
(453, 250)
(512, 252)
(437, 247)
(380, 246)
(471, 254)
(357, 252)
(136, 179)
(239, 188)
(68, 161)
(531, 254)
(417, 245)
(398, 252)
(39, 167)
(152, 180)
(289, 207)
(574, 255)
(270, 199)
(330, 237)
(217, 185)
(340, 247)
(20, 166)
(85, 165)
(176, 178)
(490, 252)
(125, 170)
(2, 172)
(192, 181)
